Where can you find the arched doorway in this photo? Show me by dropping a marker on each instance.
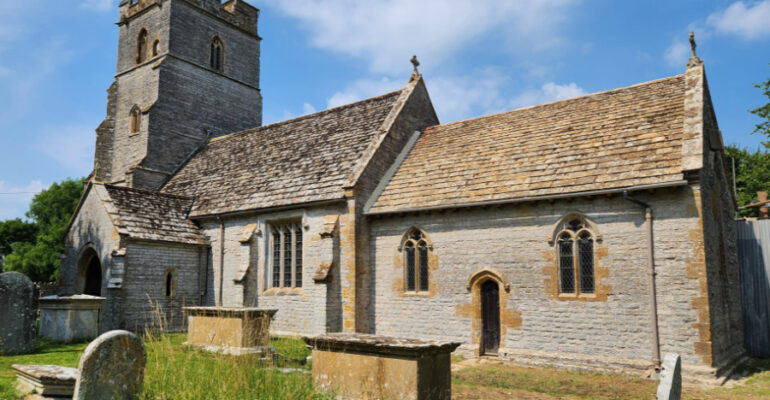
(490, 317)
(91, 272)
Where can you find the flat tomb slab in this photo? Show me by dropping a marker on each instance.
(52, 381)
(370, 366)
(234, 330)
(69, 319)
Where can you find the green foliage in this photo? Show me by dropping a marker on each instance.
(752, 174)
(50, 212)
(763, 112)
(13, 231)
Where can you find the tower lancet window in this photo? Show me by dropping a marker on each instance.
(155, 48)
(216, 54)
(141, 46)
(134, 119)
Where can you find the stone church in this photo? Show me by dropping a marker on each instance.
(594, 232)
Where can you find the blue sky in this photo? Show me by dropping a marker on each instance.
(57, 59)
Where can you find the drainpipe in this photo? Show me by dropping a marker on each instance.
(221, 258)
(653, 290)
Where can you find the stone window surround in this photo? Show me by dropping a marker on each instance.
(432, 265)
(216, 40)
(141, 47)
(270, 290)
(557, 230)
(134, 120)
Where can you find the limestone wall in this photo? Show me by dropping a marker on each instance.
(144, 289)
(313, 308)
(611, 330)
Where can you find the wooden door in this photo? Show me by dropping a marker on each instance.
(490, 317)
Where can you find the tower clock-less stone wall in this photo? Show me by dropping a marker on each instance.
(183, 101)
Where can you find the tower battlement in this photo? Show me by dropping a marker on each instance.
(236, 12)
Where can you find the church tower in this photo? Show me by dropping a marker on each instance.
(188, 70)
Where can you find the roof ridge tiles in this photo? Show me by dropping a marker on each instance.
(303, 117)
(450, 124)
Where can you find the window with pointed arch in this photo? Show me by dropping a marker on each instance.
(134, 119)
(416, 250)
(575, 251)
(216, 54)
(141, 46)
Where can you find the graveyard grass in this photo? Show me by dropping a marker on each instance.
(175, 371)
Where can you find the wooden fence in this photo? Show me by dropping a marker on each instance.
(754, 258)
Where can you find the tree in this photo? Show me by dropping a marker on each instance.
(763, 112)
(752, 174)
(13, 231)
(50, 211)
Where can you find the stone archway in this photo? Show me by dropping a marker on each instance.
(90, 271)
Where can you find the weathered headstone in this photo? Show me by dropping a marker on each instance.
(18, 310)
(112, 367)
(670, 386)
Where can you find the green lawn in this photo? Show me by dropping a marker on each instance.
(175, 371)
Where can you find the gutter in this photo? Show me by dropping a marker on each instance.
(653, 290)
(533, 198)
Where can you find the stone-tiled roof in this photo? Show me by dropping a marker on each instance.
(150, 215)
(297, 161)
(614, 139)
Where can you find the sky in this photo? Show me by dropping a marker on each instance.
(57, 59)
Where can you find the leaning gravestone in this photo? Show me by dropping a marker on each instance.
(18, 310)
(112, 367)
(670, 387)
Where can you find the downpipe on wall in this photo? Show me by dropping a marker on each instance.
(652, 273)
(221, 259)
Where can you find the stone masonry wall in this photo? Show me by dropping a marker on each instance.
(314, 308)
(92, 228)
(541, 328)
(144, 289)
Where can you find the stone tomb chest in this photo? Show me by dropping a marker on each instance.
(358, 366)
(231, 330)
(69, 318)
(46, 381)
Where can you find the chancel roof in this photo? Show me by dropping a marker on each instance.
(619, 138)
(303, 160)
(150, 215)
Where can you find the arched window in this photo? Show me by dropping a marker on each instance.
(134, 119)
(141, 46)
(575, 251)
(416, 249)
(155, 47)
(216, 54)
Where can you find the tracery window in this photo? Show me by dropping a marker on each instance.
(286, 248)
(134, 119)
(141, 46)
(416, 261)
(216, 54)
(575, 251)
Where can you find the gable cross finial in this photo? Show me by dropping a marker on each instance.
(415, 62)
(692, 44)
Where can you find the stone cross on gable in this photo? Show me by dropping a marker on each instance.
(415, 62)
(692, 44)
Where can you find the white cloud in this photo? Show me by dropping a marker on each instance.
(386, 33)
(748, 21)
(97, 5)
(307, 108)
(14, 200)
(550, 91)
(72, 147)
(461, 97)
(677, 54)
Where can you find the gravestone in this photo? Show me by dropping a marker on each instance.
(18, 310)
(670, 387)
(111, 367)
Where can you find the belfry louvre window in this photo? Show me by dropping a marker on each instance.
(416, 255)
(141, 46)
(286, 257)
(575, 251)
(216, 54)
